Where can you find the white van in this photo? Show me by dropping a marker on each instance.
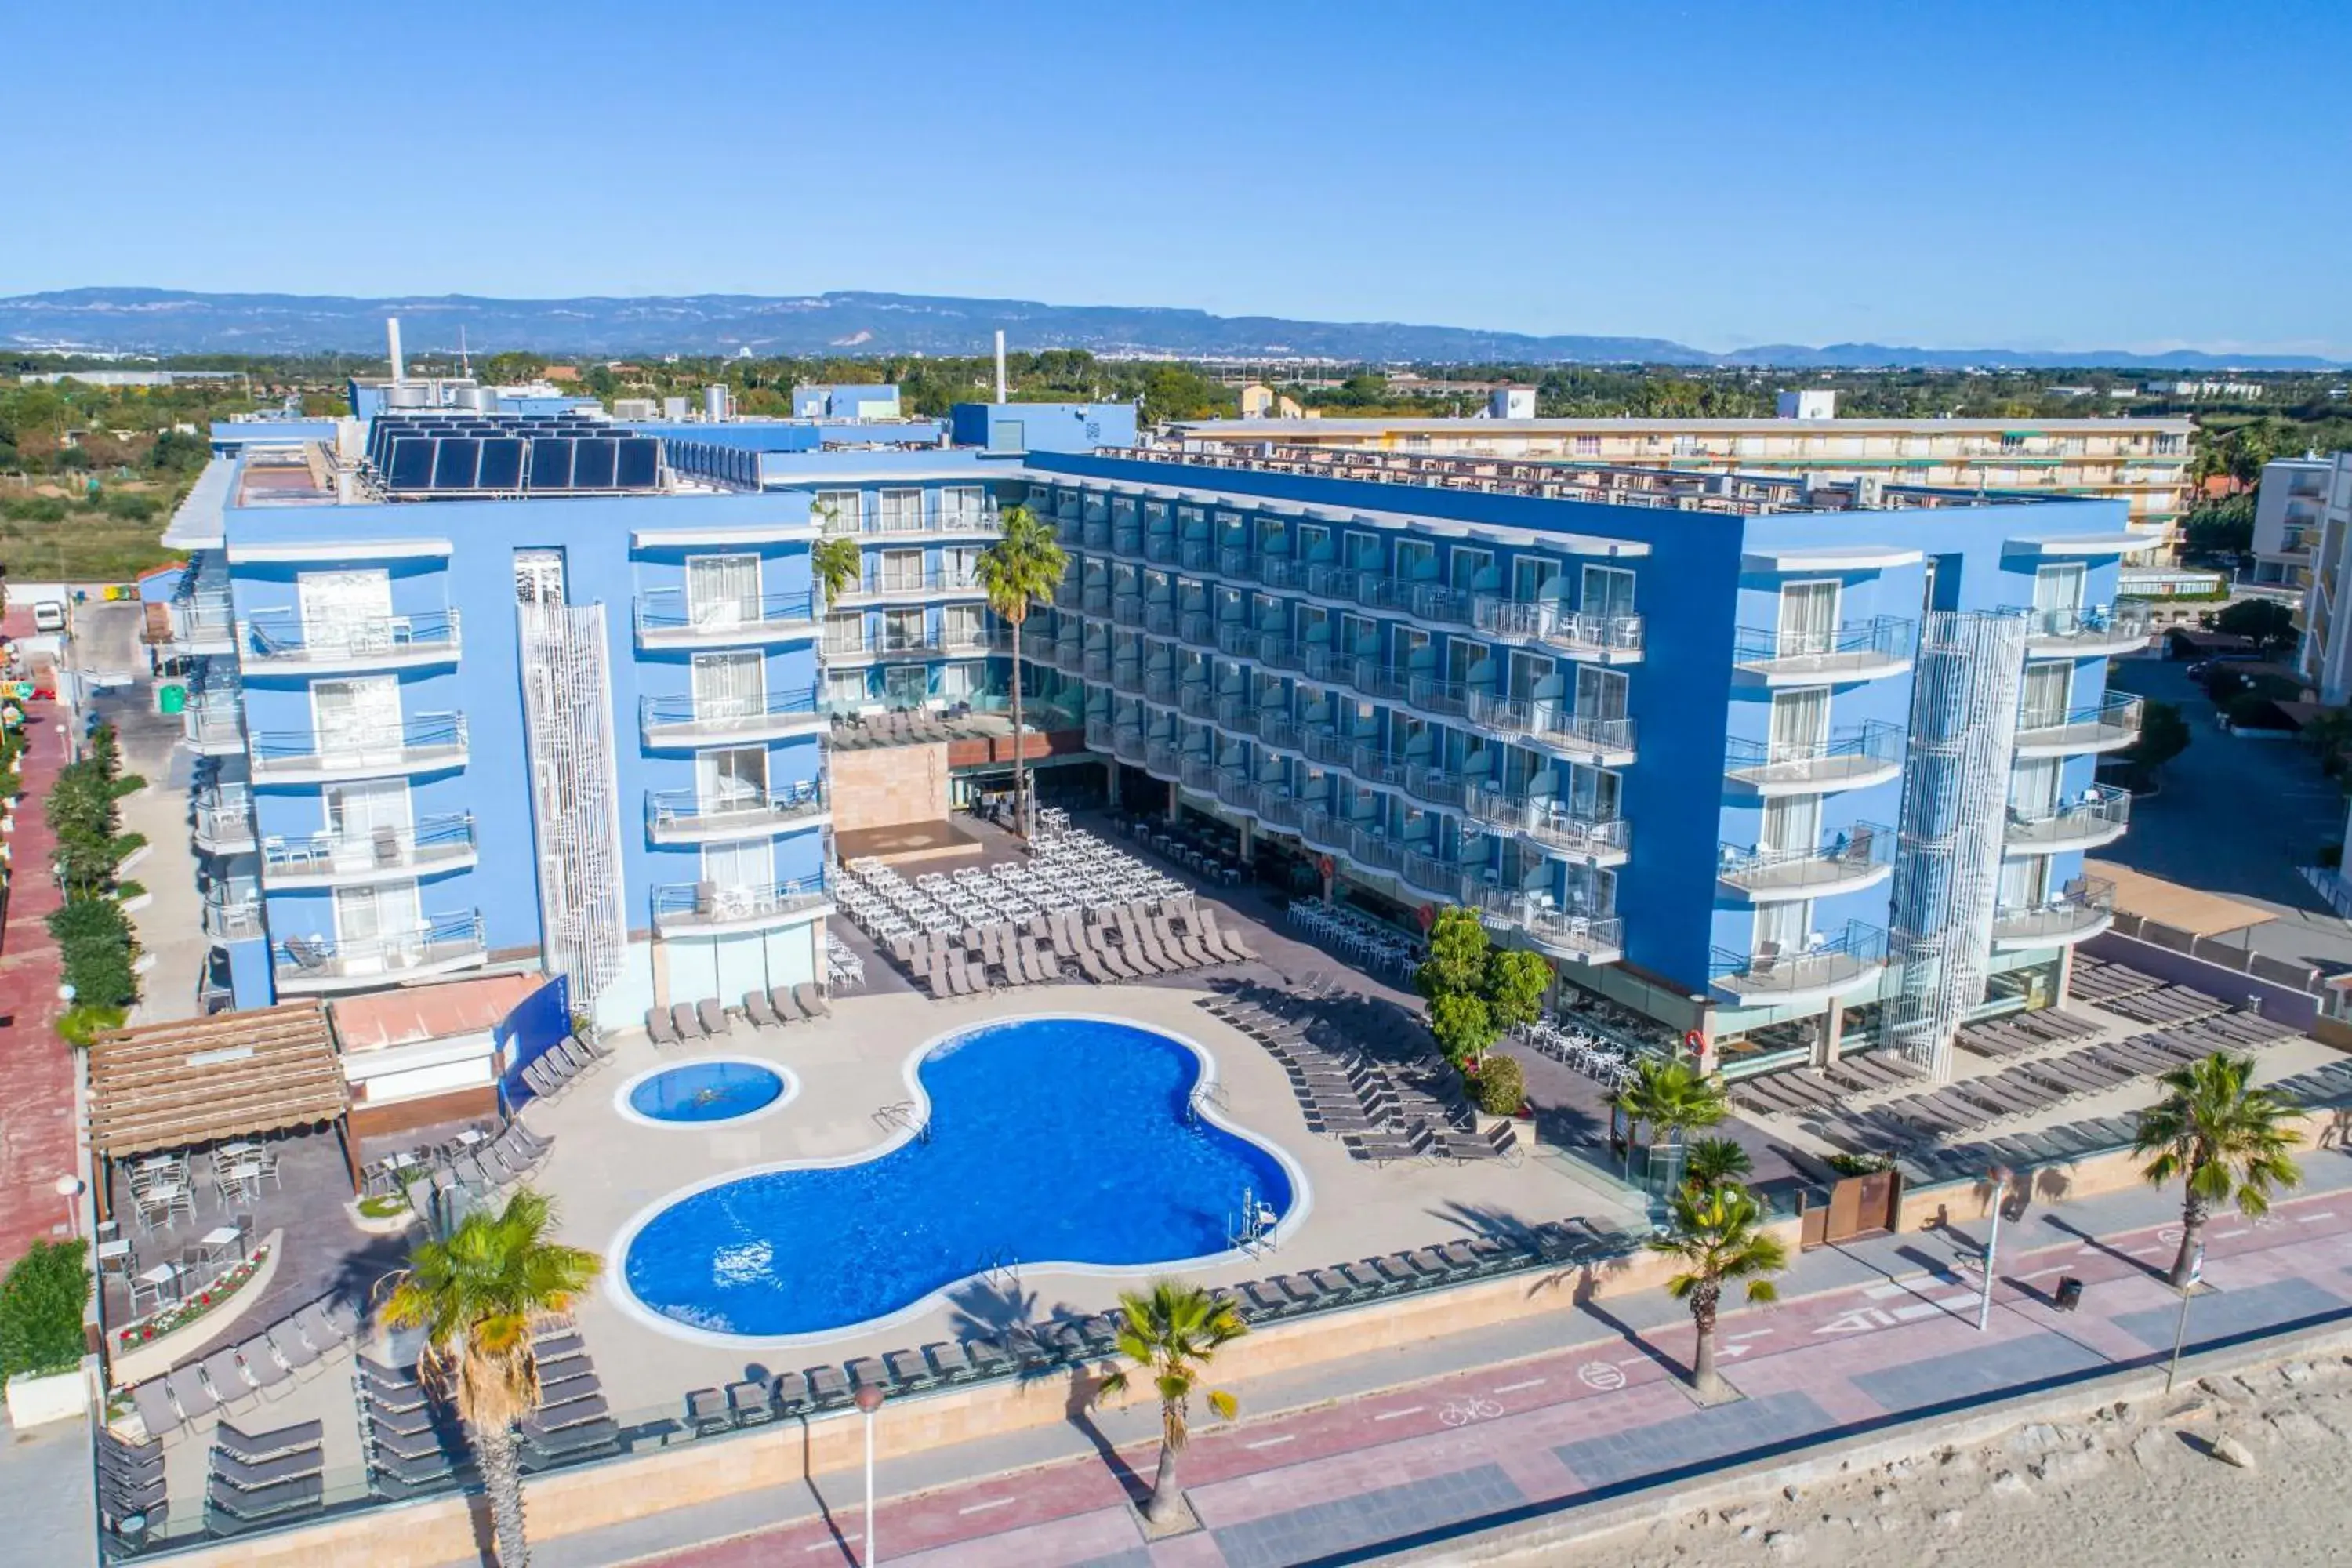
(48, 615)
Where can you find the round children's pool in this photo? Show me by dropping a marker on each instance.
(697, 1093)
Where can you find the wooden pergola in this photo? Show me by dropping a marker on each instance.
(194, 1081)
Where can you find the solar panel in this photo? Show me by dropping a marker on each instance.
(411, 467)
(550, 464)
(456, 463)
(592, 466)
(502, 463)
(639, 464)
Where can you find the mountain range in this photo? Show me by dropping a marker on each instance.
(177, 321)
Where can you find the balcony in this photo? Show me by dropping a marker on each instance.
(1859, 650)
(1600, 742)
(683, 722)
(1276, 807)
(1128, 742)
(1554, 827)
(2107, 726)
(204, 622)
(1070, 657)
(2084, 910)
(683, 817)
(285, 640)
(430, 742)
(960, 643)
(1162, 759)
(1577, 938)
(2099, 818)
(706, 909)
(1853, 758)
(1860, 857)
(1602, 639)
(667, 617)
(887, 584)
(214, 729)
(233, 918)
(1828, 965)
(2095, 633)
(221, 821)
(947, 521)
(445, 943)
(436, 845)
(1322, 831)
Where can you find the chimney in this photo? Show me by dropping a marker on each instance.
(1000, 365)
(392, 339)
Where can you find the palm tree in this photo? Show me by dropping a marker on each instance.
(1718, 1234)
(836, 564)
(475, 1294)
(1673, 1097)
(1713, 1162)
(1021, 569)
(1174, 1332)
(2225, 1136)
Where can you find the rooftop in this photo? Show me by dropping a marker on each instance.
(1277, 429)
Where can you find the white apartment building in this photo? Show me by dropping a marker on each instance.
(2143, 462)
(2302, 517)
(2287, 510)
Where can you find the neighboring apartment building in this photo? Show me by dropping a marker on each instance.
(2144, 463)
(1773, 762)
(2302, 533)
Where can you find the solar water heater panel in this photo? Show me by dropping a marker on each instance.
(592, 466)
(456, 463)
(502, 463)
(638, 463)
(551, 464)
(411, 467)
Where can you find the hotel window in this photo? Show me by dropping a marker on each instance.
(962, 506)
(959, 682)
(959, 624)
(846, 687)
(1588, 445)
(839, 512)
(902, 511)
(902, 571)
(844, 633)
(1686, 446)
(902, 630)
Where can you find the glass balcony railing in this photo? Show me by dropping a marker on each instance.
(670, 615)
(440, 942)
(887, 584)
(430, 740)
(687, 718)
(205, 622)
(1858, 649)
(1824, 965)
(1848, 758)
(1852, 857)
(1546, 724)
(2088, 631)
(2099, 815)
(1545, 621)
(683, 816)
(2085, 908)
(683, 908)
(288, 636)
(2102, 726)
(213, 728)
(1552, 825)
(440, 842)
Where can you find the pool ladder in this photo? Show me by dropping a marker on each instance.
(1209, 1093)
(902, 1116)
(998, 1268)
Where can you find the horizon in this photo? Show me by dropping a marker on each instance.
(1530, 170)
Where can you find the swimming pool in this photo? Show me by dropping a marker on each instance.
(699, 1093)
(1068, 1140)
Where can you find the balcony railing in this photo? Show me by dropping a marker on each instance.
(2101, 727)
(2084, 908)
(1128, 741)
(683, 816)
(1097, 665)
(1237, 639)
(1827, 963)
(961, 517)
(1160, 757)
(317, 963)
(2099, 816)
(1435, 787)
(1546, 724)
(1570, 631)
(669, 615)
(2088, 631)
(1195, 698)
(438, 843)
(287, 636)
(205, 622)
(687, 718)
(1554, 826)
(233, 918)
(1859, 754)
(1070, 657)
(222, 822)
(1126, 610)
(214, 727)
(1856, 650)
(1374, 849)
(428, 741)
(885, 584)
(1276, 807)
(683, 908)
(1852, 858)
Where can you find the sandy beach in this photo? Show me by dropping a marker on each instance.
(2142, 1484)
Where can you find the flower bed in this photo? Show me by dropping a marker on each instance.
(180, 1314)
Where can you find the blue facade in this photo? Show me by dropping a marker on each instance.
(1044, 427)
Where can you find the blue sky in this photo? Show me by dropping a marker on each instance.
(2083, 174)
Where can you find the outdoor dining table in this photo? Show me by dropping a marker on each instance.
(156, 1281)
(114, 1256)
(219, 1239)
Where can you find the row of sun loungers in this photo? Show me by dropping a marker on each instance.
(415, 1443)
(232, 1381)
(1109, 945)
(131, 1483)
(2022, 1033)
(683, 1023)
(2169, 1005)
(261, 1476)
(2100, 981)
(554, 1069)
(482, 1170)
(1802, 1089)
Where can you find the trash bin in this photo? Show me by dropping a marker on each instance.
(2069, 1294)
(172, 698)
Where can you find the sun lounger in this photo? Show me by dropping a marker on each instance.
(826, 1384)
(416, 1469)
(273, 1377)
(570, 1443)
(196, 1402)
(1048, 964)
(659, 1028)
(949, 1360)
(812, 1000)
(761, 1011)
(683, 1020)
(257, 1475)
(312, 1322)
(221, 1498)
(706, 1412)
(714, 1016)
(749, 1404)
(153, 1400)
(572, 1412)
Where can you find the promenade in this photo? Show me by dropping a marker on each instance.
(1483, 1430)
(37, 1112)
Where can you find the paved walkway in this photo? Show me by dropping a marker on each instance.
(1518, 1426)
(37, 1112)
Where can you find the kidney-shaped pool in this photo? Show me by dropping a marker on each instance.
(1044, 1141)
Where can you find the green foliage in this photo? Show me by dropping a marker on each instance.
(1712, 1162)
(2265, 623)
(2229, 1142)
(1170, 1334)
(2163, 735)
(1717, 1234)
(1673, 1097)
(1500, 1088)
(2223, 528)
(1453, 979)
(41, 1306)
(1021, 569)
(836, 564)
(83, 1023)
(84, 919)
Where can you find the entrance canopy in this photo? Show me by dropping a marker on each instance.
(205, 1080)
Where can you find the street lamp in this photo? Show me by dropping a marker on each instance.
(869, 1401)
(66, 994)
(1999, 1176)
(69, 1188)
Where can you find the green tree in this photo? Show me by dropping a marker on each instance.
(2226, 1138)
(1712, 1162)
(477, 1294)
(2224, 527)
(41, 1306)
(2265, 623)
(1717, 1234)
(837, 564)
(2163, 735)
(1172, 1333)
(1021, 569)
(1673, 1097)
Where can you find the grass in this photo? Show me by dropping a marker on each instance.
(89, 546)
(384, 1206)
(82, 1025)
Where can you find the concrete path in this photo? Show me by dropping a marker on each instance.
(1473, 1432)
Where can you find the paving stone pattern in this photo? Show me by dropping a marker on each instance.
(1382, 1514)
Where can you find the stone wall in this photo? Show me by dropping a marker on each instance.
(889, 787)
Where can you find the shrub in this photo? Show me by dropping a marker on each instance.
(1500, 1088)
(87, 919)
(1858, 1164)
(99, 971)
(41, 1304)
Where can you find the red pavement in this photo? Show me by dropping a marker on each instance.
(36, 1068)
(1519, 1417)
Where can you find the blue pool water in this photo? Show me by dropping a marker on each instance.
(706, 1091)
(1052, 1141)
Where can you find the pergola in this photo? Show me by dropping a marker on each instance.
(205, 1080)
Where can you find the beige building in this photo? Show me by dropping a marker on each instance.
(2143, 462)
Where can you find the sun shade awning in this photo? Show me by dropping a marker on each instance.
(201, 1080)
